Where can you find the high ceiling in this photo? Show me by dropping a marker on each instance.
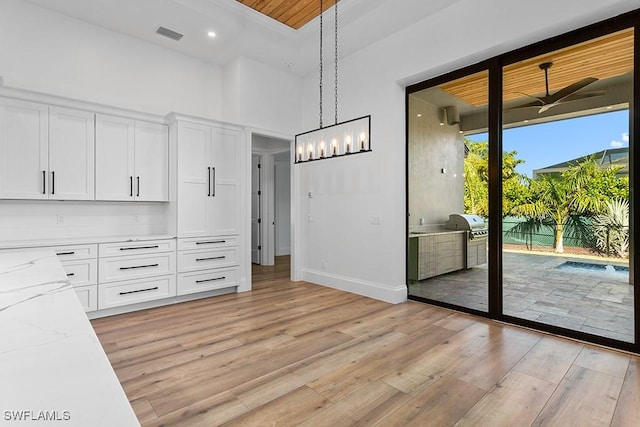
(293, 13)
(242, 31)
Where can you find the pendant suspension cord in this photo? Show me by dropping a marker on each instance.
(321, 10)
(336, 59)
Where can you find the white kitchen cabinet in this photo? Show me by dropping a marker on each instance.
(135, 271)
(209, 172)
(45, 152)
(202, 281)
(132, 160)
(127, 292)
(24, 149)
(71, 154)
(151, 161)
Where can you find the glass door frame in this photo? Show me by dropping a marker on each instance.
(495, 266)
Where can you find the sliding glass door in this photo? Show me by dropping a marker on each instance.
(539, 143)
(448, 192)
(565, 187)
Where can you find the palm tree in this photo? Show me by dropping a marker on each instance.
(559, 200)
(611, 229)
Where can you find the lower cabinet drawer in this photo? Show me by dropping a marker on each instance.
(72, 252)
(81, 273)
(134, 291)
(88, 296)
(201, 281)
(124, 268)
(207, 242)
(202, 260)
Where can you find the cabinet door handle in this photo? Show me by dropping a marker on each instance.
(211, 243)
(138, 185)
(44, 182)
(139, 247)
(71, 274)
(209, 181)
(211, 280)
(211, 258)
(65, 253)
(139, 290)
(213, 186)
(139, 266)
(53, 182)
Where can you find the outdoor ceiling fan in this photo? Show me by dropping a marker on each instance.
(566, 94)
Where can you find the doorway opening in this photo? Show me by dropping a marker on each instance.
(270, 200)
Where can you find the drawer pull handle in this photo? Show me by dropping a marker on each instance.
(71, 274)
(139, 247)
(139, 290)
(211, 280)
(211, 258)
(139, 266)
(65, 253)
(213, 242)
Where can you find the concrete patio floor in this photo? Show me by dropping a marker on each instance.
(592, 301)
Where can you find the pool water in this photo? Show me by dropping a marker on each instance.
(589, 266)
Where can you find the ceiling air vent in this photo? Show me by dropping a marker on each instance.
(163, 31)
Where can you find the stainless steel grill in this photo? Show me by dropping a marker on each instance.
(477, 232)
(472, 223)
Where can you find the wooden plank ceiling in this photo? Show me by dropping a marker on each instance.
(602, 58)
(294, 13)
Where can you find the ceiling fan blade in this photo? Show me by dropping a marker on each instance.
(569, 90)
(583, 95)
(532, 97)
(534, 104)
(545, 108)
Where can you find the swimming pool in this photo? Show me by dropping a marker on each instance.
(593, 267)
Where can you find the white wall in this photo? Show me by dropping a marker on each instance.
(282, 178)
(47, 52)
(339, 246)
(268, 98)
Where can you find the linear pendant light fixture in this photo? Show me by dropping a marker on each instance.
(340, 139)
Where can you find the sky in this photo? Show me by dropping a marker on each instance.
(546, 144)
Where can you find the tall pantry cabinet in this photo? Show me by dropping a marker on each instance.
(211, 171)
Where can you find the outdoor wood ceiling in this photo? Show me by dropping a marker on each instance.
(602, 58)
(294, 13)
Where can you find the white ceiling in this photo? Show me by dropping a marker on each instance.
(241, 31)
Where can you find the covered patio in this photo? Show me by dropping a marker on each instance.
(594, 301)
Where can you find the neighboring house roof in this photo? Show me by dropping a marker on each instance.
(605, 158)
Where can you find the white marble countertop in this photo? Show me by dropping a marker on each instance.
(17, 244)
(52, 366)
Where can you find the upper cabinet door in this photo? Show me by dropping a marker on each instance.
(23, 150)
(114, 158)
(71, 154)
(195, 180)
(226, 167)
(151, 162)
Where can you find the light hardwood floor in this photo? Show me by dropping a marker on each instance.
(298, 354)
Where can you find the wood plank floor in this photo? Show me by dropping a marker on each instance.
(304, 355)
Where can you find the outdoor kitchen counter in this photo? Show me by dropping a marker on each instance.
(435, 233)
(52, 365)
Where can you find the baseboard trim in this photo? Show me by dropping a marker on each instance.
(395, 295)
(159, 303)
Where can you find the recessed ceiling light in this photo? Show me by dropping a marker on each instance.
(211, 34)
(419, 115)
(610, 107)
(526, 121)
